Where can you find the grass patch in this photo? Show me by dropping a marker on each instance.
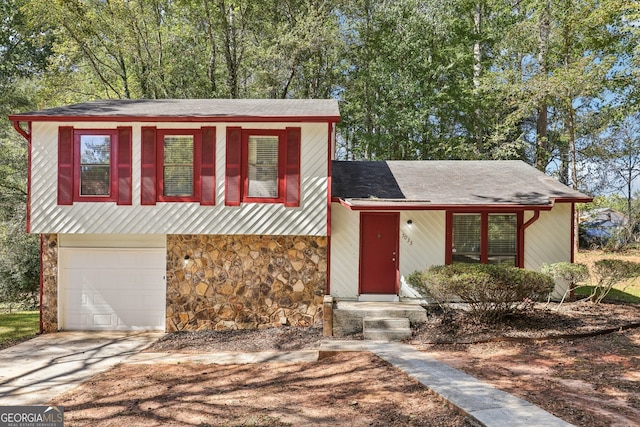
(627, 291)
(18, 326)
(629, 294)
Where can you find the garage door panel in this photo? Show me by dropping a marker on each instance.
(115, 289)
(131, 318)
(153, 262)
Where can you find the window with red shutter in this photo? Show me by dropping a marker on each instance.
(263, 166)
(88, 165)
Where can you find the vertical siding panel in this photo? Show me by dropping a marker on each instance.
(208, 167)
(148, 167)
(65, 165)
(548, 240)
(124, 166)
(233, 179)
(345, 251)
(292, 167)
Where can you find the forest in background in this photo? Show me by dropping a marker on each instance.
(555, 83)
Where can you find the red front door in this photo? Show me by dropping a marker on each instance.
(379, 253)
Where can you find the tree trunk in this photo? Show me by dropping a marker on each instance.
(542, 149)
(231, 48)
(477, 71)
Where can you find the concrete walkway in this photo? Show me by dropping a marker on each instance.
(486, 404)
(35, 371)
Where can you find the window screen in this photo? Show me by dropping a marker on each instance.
(95, 165)
(263, 167)
(178, 166)
(502, 239)
(466, 238)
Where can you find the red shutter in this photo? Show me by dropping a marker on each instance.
(65, 165)
(124, 166)
(292, 168)
(233, 179)
(208, 166)
(148, 168)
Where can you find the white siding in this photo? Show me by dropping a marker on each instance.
(548, 240)
(422, 243)
(180, 218)
(345, 251)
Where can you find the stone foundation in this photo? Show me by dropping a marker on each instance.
(244, 282)
(49, 274)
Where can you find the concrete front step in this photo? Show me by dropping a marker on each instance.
(385, 323)
(381, 329)
(348, 316)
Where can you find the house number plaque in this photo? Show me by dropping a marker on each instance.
(407, 239)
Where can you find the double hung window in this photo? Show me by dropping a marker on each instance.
(263, 171)
(488, 238)
(178, 165)
(177, 174)
(95, 171)
(94, 165)
(263, 166)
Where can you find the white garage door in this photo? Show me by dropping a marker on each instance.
(112, 289)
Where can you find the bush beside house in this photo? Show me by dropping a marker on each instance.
(492, 291)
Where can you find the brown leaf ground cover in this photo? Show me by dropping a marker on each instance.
(349, 389)
(579, 360)
(588, 381)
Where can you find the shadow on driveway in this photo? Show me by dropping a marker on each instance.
(35, 371)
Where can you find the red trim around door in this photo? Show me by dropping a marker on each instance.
(379, 253)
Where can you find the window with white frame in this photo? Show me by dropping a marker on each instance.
(95, 165)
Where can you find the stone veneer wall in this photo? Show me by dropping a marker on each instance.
(243, 282)
(49, 274)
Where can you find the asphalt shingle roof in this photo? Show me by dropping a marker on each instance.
(446, 183)
(323, 109)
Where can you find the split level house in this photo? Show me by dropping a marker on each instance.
(223, 214)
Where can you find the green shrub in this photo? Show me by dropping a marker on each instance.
(491, 291)
(609, 272)
(571, 273)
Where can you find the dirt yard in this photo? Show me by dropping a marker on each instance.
(349, 389)
(587, 381)
(549, 358)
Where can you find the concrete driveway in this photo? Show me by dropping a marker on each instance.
(35, 371)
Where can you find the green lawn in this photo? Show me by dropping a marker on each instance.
(18, 326)
(626, 292)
